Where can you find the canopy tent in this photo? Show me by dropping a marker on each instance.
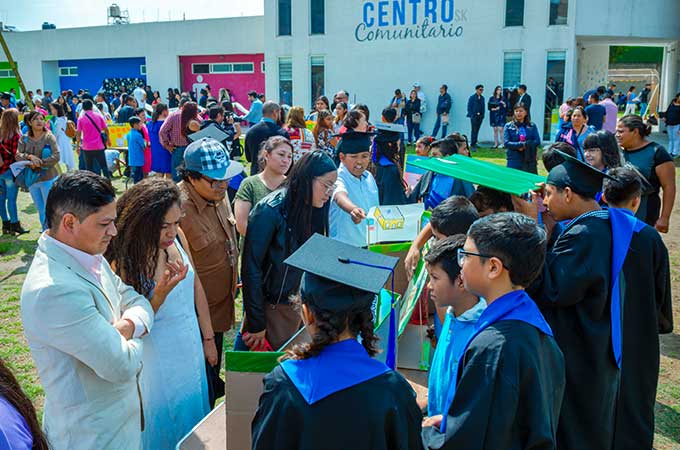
(483, 173)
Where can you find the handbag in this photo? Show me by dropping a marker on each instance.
(415, 117)
(70, 129)
(102, 134)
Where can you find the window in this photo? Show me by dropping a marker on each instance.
(512, 69)
(514, 13)
(262, 67)
(221, 68)
(68, 71)
(317, 16)
(200, 68)
(142, 69)
(318, 77)
(6, 73)
(286, 81)
(558, 12)
(554, 92)
(284, 17)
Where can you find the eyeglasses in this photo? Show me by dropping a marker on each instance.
(328, 188)
(462, 254)
(592, 149)
(216, 184)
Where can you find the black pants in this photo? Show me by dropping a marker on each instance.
(215, 383)
(100, 157)
(476, 123)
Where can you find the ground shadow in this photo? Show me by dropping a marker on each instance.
(670, 345)
(667, 422)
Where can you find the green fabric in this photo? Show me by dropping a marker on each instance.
(386, 249)
(258, 362)
(482, 173)
(252, 190)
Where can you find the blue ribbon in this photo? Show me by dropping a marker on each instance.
(623, 224)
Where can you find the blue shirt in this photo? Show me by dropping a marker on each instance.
(15, 433)
(596, 115)
(255, 113)
(444, 370)
(136, 146)
(363, 192)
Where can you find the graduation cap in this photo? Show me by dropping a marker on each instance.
(387, 136)
(352, 142)
(577, 175)
(339, 278)
(208, 132)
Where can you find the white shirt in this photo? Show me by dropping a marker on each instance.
(139, 95)
(93, 264)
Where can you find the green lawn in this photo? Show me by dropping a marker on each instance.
(16, 254)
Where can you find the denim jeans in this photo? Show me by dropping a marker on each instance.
(95, 160)
(643, 108)
(475, 124)
(8, 197)
(176, 160)
(39, 193)
(136, 173)
(437, 124)
(673, 140)
(413, 128)
(239, 345)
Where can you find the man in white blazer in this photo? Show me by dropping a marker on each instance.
(83, 323)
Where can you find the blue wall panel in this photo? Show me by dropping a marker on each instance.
(92, 72)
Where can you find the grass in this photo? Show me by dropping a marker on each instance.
(16, 255)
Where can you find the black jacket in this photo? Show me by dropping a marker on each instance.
(257, 134)
(269, 241)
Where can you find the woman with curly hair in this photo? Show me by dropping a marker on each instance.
(148, 244)
(19, 427)
(330, 393)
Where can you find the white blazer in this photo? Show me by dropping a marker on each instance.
(88, 370)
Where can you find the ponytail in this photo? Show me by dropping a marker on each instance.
(635, 122)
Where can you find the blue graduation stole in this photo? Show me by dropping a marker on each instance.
(339, 366)
(440, 190)
(515, 305)
(623, 224)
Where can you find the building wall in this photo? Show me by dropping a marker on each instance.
(161, 43)
(371, 71)
(238, 83)
(653, 19)
(593, 70)
(92, 72)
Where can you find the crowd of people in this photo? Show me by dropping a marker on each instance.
(127, 300)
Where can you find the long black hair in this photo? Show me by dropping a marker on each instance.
(606, 142)
(157, 111)
(300, 192)
(11, 391)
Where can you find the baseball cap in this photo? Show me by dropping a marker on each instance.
(416, 84)
(209, 158)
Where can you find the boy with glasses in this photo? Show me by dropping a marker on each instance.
(510, 378)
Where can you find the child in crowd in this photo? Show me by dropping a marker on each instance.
(323, 133)
(647, 301)
(136, 149)
(423, 145)
(510, 379)
(462, 312)
(388, 174)
(141, 113)
(356, 191)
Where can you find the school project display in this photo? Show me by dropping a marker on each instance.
(483, 173)
(394, 223)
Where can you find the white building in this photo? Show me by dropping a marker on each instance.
(369, 48)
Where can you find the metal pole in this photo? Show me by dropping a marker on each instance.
(14, 68)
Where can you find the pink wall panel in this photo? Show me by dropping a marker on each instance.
(239, 84)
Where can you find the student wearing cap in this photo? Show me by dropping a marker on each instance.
(5, 99)
(208, 223)
(330, 393)
(461, 311)
(647, 312)
(510, 376)
(136, 149)
(356, 191)
(575, 293)
(388, 174)
(277, 226)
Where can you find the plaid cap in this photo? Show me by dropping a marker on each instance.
(209, 158)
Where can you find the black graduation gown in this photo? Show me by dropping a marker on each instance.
(508, 393)
(573, 293)
(647, 311)
(378, 414)
(390, 186)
